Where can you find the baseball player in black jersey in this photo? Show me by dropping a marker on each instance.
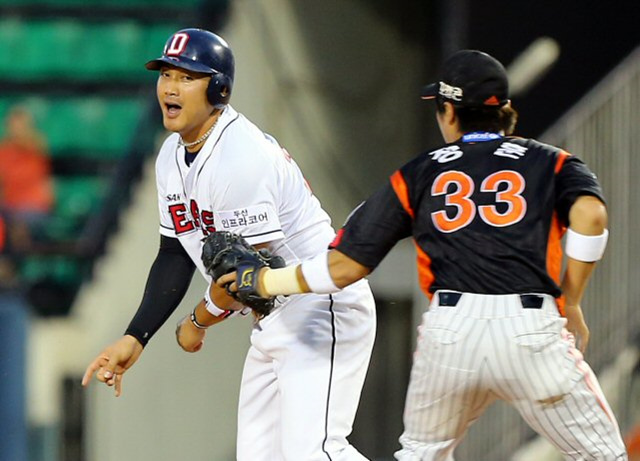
(487, 212)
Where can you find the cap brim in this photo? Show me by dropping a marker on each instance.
(182, 63)
(429, 91)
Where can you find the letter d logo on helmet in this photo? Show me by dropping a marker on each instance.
(199, 50)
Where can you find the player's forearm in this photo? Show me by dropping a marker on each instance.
(344, 270)
(326, 273)
(168, 281)
(576, 278)
(204, 318)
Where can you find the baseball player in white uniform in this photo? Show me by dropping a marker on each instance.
(307, 361)
(487, 212)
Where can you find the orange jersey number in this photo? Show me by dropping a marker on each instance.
(511, 182)
(465, 208)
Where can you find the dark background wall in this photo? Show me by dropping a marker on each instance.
(594, 36)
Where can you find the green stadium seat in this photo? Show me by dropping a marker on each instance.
(64, 48)
(113, 51)
(78, 197)
(11, 39)
(83, 126)
(155, 37)
(123, 117)
(103, 3)
(63, 269)
(53, 48)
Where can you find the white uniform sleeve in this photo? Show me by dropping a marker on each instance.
(250, 199)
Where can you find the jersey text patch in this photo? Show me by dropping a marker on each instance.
(233, 219)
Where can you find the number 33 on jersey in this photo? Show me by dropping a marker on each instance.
(470, 197)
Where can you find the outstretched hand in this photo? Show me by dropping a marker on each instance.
(110, 365)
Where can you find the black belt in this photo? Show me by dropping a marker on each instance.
(450, 299)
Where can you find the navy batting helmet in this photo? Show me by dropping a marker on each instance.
(199, 50)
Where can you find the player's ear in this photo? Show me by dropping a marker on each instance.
(449, 115)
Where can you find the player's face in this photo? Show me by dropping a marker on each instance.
(183, 100)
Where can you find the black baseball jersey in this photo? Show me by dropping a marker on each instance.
(487, 214)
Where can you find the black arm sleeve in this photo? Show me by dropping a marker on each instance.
(374, 228)
(169, 278)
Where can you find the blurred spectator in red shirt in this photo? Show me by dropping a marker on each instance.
(26, 192)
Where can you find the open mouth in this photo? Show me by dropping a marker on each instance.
(173, 110)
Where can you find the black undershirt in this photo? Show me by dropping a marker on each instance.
(189, 157)
(168, 281)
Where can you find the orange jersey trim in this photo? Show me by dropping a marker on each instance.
(423, 261)
(554, 256)
(402, 191)
(425, 276)
(562, 156)
(554, 244)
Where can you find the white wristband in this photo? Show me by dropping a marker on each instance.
(585, 248)
(283, 281)
(316, 274)
(212, 308)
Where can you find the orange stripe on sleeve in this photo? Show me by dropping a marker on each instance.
(402, 191)
(554, 244)
(425, 276)
(554, 255)
(562, 156)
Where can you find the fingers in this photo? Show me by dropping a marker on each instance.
(228, 289)
(94, 366)
(111, 379)
(110, 369)
(88, 373)
(580, 339)
(196, 348)
(584, 340)
(107, 370)
(229, 278)
(178, 328)
(118, 384)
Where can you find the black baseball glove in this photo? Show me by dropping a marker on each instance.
(225, 252)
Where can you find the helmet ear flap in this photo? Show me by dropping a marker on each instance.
(219, 90)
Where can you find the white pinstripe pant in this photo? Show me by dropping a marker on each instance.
(303, 377)
(489, 347)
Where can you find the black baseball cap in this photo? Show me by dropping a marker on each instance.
(470, 78)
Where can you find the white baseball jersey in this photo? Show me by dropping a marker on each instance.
(308, 359)
(241, 181)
